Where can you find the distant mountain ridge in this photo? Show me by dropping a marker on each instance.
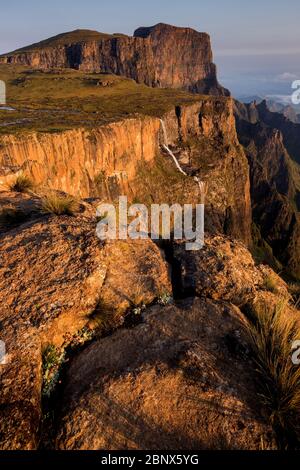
(63, 39)
(290, 111)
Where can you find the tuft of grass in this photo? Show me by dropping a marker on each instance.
(54, 203)
(270, 284)
(22, 184)
(83, 336)
(272, 334)
(104, 317)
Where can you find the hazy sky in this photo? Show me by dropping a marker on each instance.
(256, 43)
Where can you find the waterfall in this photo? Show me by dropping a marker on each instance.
(163, 126)
(175, 159)
(202, 188)
(201, 184)
(166, 147)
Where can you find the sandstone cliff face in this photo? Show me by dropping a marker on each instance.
(206, 135)
(160, 56)
(79, 161)
(182, 58)
(71, 161)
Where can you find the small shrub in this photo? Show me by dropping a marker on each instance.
(139, 310)
(83, 336)
(22, 184)
(53, 360)
(165, 299)
(58, 204)
(272, 334)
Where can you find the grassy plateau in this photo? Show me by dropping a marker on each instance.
(56, 100)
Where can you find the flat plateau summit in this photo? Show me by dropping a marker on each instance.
(159, 56)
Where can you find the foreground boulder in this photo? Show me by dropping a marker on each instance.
(54, 272)
(182, 379)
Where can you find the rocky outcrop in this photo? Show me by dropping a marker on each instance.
(56, 279)
(185, 377)
(180, 380)
(160, 56)
(106, 161)
(180, 54)
(223, 270)
(205, 138)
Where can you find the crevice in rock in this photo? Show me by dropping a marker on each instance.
(200, 121)
(51, 405)
(178, 116)
(178, 290)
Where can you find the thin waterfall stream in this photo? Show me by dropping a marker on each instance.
(201, 184)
